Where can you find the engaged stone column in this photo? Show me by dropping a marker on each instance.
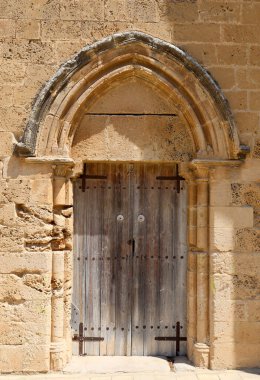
(57, 315)
(61, 266)
(192, 263)
(201, 348)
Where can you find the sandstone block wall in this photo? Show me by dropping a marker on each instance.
(36, 36)
(234, 267)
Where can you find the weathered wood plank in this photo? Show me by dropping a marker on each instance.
(77, 275)
(114, 289)
(166, 239)
(139, 235)
(93, 261)
(107, 347)
(123, 261)
(180, 284)
(151, 260)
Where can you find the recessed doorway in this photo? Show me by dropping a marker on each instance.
(130, 257)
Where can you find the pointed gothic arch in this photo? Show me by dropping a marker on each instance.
(60, 104)
(49, 136)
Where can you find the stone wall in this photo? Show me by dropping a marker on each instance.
(234, 266)
(36, 37)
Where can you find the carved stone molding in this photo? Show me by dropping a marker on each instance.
(52, 124)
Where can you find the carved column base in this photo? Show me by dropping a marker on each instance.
(201, 355)
(57, 356)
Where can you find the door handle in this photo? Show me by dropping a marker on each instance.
(132, 243)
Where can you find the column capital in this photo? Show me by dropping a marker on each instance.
(203, 167)
(200, 171)
(64, 170)
(187, 171)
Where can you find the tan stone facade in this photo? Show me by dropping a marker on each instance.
(51, 121)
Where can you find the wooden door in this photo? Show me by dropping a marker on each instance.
(130, 261)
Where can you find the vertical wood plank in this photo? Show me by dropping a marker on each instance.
(114, 290)
(77, 313)
(107, 347)
(123, 261)
(181, 263)
(93, 259)
(151, 262)
(166, 236)
(139, 235)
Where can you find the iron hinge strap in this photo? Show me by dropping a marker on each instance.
(87, 338)
(176, 178)
(84, 176)
(176, 338)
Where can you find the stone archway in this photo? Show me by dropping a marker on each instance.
(57, 116)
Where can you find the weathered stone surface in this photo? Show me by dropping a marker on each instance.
(82, 10)
(223, 309)
(8, 214)
(61, 30)
(231, 217)
(238, 286)
(35, 51)
(41, 191)
(28, 29)
(219, 11)
(36, 213)
(222, 239)
(7, 28)
(11, 239)
(6, 98)
(193, 32)
(226, 356)
(25, 262)
(158, 138)
(22, 286)
(26, 311)
(247, 240)
(27, 358)
(220, 193)
(256, 152)
(246, 194)
(18, 191)
(13, 120)
(18, 333)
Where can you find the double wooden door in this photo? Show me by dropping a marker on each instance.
(129, 288)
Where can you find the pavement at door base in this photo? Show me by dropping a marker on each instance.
(195, 375)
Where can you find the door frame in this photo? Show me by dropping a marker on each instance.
(200, 177)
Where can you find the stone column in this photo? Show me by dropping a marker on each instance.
(201, 348)
(192, 263)
(61, 247)
(57, 314)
